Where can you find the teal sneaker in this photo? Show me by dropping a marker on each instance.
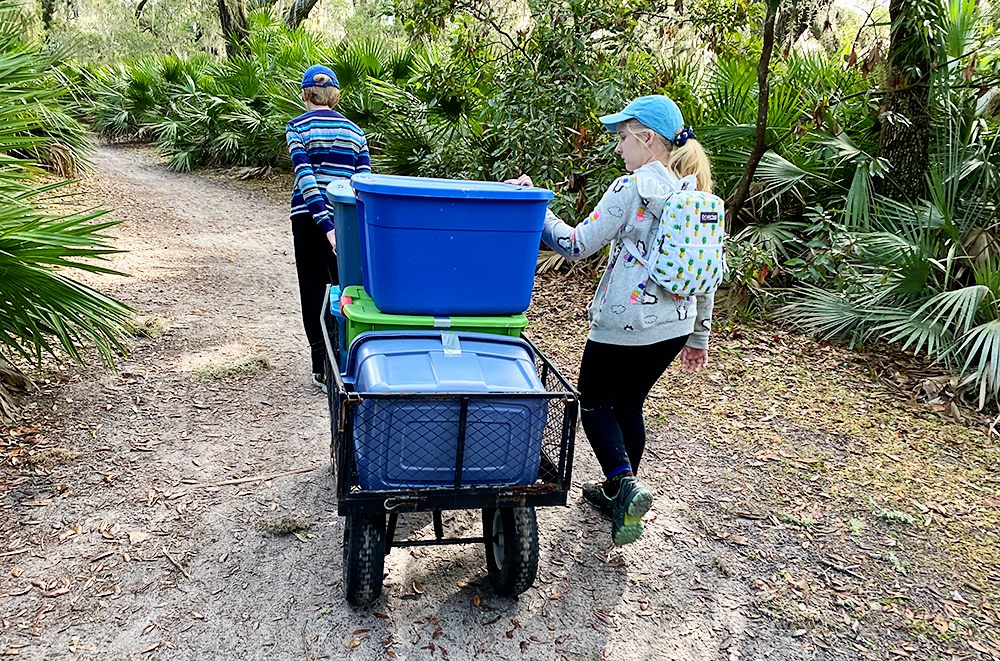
(593, 495)
(627, 509)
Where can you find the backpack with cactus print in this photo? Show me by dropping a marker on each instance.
(687, 255)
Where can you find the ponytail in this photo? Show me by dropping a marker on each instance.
(691, 159)
(687, 158)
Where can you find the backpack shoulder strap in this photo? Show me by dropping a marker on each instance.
(634, 250)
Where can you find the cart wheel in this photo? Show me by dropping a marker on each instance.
(511, 535)
(364, 557)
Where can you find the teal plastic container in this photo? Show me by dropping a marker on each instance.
(340, 197)
(338, 334)
(447, 247)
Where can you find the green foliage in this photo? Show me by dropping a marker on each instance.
(488, 91)
(35, 90)
(41, 308)
(110, 31)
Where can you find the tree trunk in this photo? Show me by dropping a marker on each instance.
(298, 12)
(233, 18)
(904, 138)
(48, 10)
(735, 205)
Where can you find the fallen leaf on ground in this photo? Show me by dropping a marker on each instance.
(138, 537)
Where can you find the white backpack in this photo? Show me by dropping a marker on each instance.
(687, 255)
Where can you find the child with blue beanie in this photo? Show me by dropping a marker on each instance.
(324, 145)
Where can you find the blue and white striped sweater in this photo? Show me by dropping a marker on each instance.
(324, 145)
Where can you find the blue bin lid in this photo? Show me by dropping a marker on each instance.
(387, 184)
(340, 191)
(441, 362)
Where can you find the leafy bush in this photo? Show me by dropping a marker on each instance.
(41, 308)
(926, 275)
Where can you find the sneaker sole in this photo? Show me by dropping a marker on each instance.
(632, 528)
(628, 532)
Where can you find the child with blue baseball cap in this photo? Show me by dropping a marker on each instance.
(324, 145)
(637, 328)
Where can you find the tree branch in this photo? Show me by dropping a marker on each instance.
(760, 137)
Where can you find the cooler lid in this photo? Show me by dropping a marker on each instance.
(441, 362)
(340, 191)
(387, 184)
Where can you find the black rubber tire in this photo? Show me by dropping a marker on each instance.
(364, 557)
(511, 536)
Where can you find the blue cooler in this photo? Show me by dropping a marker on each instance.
(338, 339)
(412, 442)
(340, 197)
(445, 247)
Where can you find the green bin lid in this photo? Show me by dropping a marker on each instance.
(362, 309)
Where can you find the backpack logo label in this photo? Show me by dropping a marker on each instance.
(709, 217)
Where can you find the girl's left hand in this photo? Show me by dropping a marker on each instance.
(523, 180)
(693, 360)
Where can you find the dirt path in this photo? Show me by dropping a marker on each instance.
(121, 553)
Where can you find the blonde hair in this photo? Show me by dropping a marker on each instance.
(682, 161)
(322, 96)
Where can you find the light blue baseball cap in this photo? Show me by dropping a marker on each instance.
(657, 112)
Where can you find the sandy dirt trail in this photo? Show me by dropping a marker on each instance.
(121, 554)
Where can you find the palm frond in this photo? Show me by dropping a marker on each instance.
(830, 315)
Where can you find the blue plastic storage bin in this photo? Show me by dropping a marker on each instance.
(412, 441)
(340, 196)
(447, 247)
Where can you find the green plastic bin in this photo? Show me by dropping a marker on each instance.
(362, 316)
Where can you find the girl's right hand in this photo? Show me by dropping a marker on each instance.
(523, 180)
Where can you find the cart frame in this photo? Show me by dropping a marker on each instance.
(352, 500)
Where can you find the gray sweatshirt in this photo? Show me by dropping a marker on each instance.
(629, 308)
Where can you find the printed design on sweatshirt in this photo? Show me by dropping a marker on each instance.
(706, 324)
(593, 217)
(569, 243)
(616, 212)
(637, 293)
(643, 295)
(640, 214)
(650, 319)
(628, 327)
(622, 182)
(614, 256)
(630, 260)
(681, 303)
(618, 309)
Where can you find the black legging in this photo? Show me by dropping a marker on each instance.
(316, 266)
(614, 382)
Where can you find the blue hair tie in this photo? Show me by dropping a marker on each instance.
(684, 135)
